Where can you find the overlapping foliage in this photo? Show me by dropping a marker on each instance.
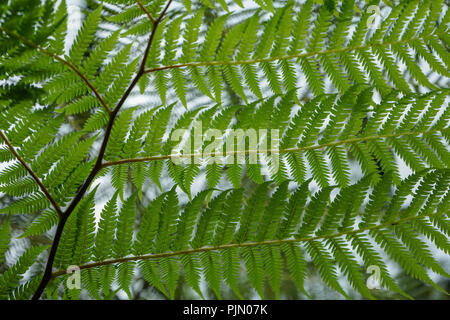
(67, 125)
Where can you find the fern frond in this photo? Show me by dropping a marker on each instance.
(233, 147)
(262, 249)
(339, 128)
(329, 52)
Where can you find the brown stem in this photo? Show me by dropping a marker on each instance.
(97, 167)
(145, 10)
(63, 61)
(51, 257)
(33, 175)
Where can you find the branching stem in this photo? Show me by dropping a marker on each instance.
(32, 174)
(63, 61)
(97, 167)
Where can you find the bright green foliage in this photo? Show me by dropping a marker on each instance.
(339, 110)
(332, 52)
(342, 127)
(207, 239)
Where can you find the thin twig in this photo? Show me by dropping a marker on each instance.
(145, 10)
(65, 62)
(287, 57)
(33, 175)
(161, 16)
